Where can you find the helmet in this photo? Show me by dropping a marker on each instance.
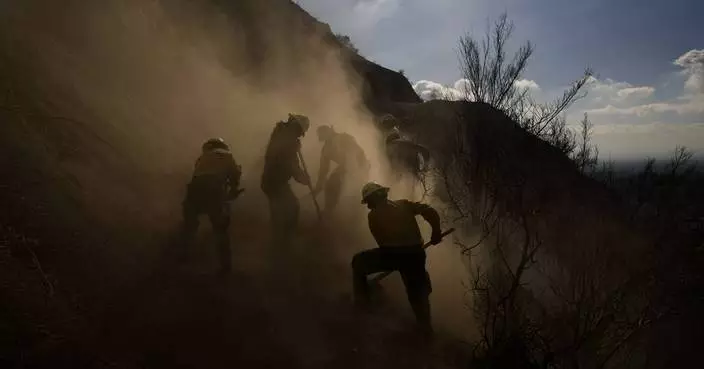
(393, 136)
(324, 132)
(215, 143)
(301, 120)
(370, 189)
(388, 121)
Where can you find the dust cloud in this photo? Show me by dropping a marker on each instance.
(155, 79)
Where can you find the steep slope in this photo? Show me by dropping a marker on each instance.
(104, 110)
(593, 258)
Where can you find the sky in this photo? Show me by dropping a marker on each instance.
(647, 95)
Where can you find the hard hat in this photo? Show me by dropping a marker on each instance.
(393, 136)
(325, 131)
(370, 189)
(388, 118)
(388, 121)
(215, 143)
(301, 120)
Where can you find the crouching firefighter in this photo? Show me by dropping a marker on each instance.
(394, 227)
(215, 182)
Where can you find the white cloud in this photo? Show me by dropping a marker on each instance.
(693, 63)
(609, 91)
(621, 101)
(429, 90)
(686, 105)
(527, 83)
(632, 120)
(636, 92)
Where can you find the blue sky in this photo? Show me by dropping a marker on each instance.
(648, 56)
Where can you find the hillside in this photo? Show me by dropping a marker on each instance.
(103, 113)
(104, 109)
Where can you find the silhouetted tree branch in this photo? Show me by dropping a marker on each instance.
(587, 155)
(492, 79)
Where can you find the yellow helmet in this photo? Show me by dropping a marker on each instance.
(325, 132)
(393, 135)
(370, 189)
(388, 121)
(301, 120)
(215, 143)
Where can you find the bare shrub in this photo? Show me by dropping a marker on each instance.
(552, 280)
(492, 79)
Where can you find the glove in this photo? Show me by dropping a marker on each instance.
(436, 237)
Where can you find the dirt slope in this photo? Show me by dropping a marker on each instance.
(103, 111)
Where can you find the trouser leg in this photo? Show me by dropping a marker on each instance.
(290, 209)
(333, 190)
(283, 208)
(418, 287)
(190, 227)
(283, 211)
(274, 216)
(220, 219)
(365, 263)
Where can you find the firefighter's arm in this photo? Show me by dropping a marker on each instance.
(430, 215)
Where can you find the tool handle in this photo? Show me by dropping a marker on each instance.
(310, 185)
(383, 275)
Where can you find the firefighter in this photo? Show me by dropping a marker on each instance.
(394, 227)
(215, 182)
(281, 163)
(406, 156)
(352, 165)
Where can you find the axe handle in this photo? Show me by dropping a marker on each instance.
(310, 185)
(383, 275)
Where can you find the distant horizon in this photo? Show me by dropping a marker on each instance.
(636, 164)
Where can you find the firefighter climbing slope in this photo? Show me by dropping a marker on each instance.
(406, 156)
(352, 165)
(394, 227)
(215, 181)
(281, 164)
